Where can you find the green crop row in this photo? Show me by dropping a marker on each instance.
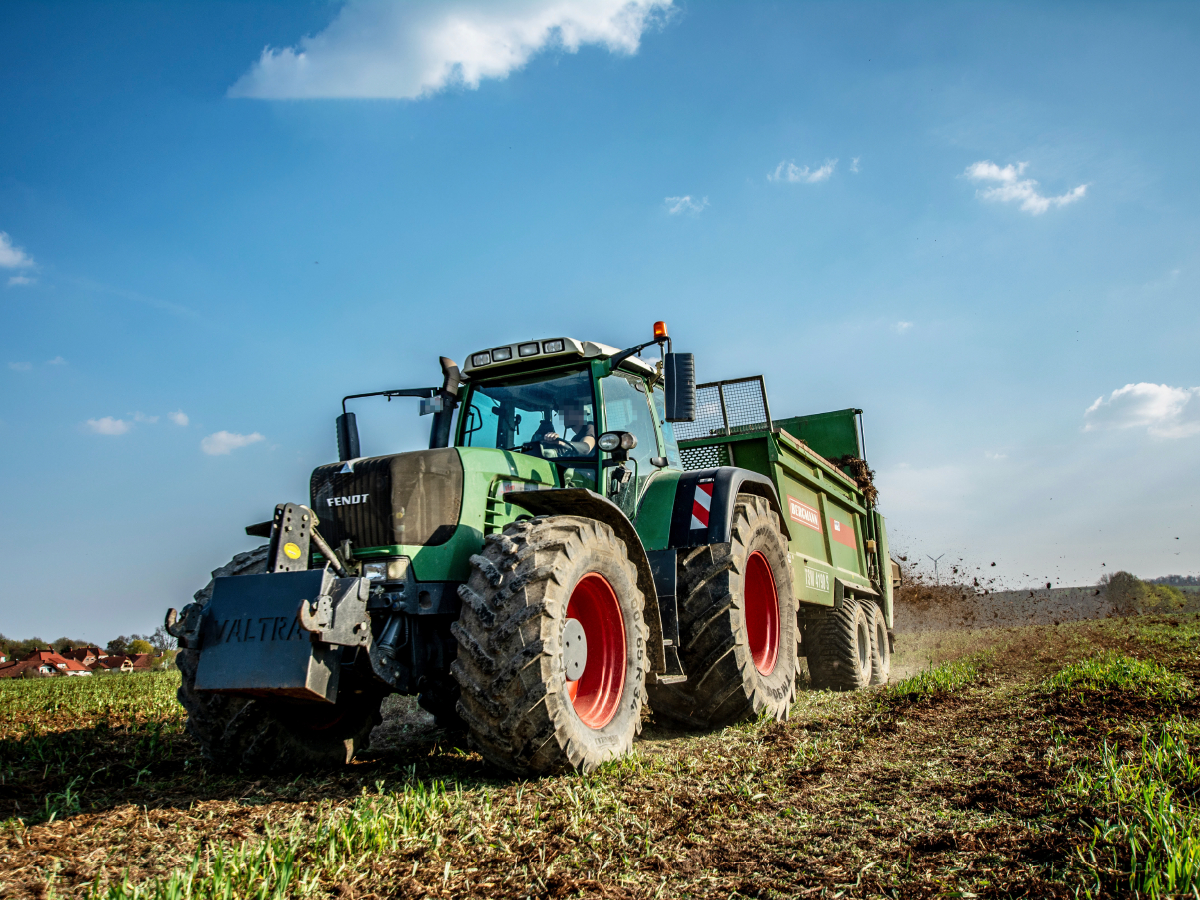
(1117, 672)
(53, 704)
(293, 860)
(947, 677)
(1147, 830)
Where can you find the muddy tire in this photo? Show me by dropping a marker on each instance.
(881, 656)
(737, 627)
(839, 653)
(260, 735)
(533, 589)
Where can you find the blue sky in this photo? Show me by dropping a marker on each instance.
(978, 222)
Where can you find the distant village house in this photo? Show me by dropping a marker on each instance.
(81, 661)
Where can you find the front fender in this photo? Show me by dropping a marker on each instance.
(705, 500)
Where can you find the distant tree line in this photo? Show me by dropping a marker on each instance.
(1176, 580)
(1130, 594)
(157, 643)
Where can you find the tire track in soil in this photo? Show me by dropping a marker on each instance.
(933, 797)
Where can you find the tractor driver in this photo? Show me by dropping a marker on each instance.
(583, 439)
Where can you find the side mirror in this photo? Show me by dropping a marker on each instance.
(680, 372)
(347, 437)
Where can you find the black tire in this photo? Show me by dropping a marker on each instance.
(261, 735)
(839, 655)
(881, 657)
(510, 665)
(725, 684)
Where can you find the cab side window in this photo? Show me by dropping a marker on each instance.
(627, 408)
(670, 445)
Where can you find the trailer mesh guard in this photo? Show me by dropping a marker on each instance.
(727, 407)
(706, 456)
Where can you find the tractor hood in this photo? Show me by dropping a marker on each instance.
(406, 498)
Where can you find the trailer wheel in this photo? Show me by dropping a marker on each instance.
(881, 656)
(737, 627)
(839, 656)
(552, 647)
(259, 735)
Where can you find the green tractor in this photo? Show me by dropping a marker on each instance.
(588, 532)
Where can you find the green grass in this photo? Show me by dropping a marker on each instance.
(50, 704)
(1111, 671)
(935, 680)
(1147, 830)
(294, 858)
(62, 737)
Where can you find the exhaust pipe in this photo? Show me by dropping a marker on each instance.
(439, 435)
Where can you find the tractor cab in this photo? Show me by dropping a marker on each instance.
(599, 418)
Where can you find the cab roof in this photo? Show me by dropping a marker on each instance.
(535, 354)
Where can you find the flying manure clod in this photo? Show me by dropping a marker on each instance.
(587, 532)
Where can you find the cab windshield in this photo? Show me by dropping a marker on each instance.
(549, 416)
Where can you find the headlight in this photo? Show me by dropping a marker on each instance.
(552, 347)
(481, 359)
(616, 440)
(527, 349)
(386, 570)
(501, 353)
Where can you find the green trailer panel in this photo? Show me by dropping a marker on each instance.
(830, 522)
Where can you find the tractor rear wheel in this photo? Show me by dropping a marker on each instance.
(551, 647)
(259, 734)
(737, 626)
(839, 652)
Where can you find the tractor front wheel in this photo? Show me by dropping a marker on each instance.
(551, 647)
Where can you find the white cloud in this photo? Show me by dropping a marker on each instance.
(854, 164)
(790, 172)
(1164, 411)
(179, 417)
(13, 257)
(57, 361)
(21, 279)
(902, 327)
(223, 442)
(382, 49)
(20, 366)
(677, 205)
(141, 417)
(1011, 187)
(108, 425)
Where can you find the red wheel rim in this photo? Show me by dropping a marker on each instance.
(762, 613)
(597, 693)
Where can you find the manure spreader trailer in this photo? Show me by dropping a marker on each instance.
(588, 532)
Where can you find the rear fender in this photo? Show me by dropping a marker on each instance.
(589, 504)
(705, 500)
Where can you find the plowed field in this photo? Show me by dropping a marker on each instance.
(1012, 762)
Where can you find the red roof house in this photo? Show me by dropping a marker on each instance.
(85, 655)
(44, 662)
(114, 663)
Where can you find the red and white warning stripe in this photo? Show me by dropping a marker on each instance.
(701, 504)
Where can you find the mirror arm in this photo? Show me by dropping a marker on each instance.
(615, 361)
(424, 393)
